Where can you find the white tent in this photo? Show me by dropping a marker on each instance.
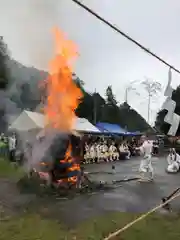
(28, 121)
(83, 125)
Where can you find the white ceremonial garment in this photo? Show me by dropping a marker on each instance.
(87, 152)
(101, 151)
(170, 159)
(122, 149)
(98, 150)
(178, 158)
(92, 152)
(105, 151)
(111, 149)
(173, 163)
(146, 150)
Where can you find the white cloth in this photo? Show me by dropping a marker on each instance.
(87, 152)
(177, 158)
(173, 163)
(122, 149)
(105, 148)
(146, 150)
(92, 152)
(98, 151)
(112, 149)
(170, 159)
(173, 168)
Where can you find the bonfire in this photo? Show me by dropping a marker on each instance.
(63, 97)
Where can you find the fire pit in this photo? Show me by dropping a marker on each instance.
(57, 165)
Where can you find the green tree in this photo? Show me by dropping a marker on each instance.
(3, 83)
(110, 110)
(3, 68)
(98, 107)
(132, 120)
(85, 108)
(110, 97)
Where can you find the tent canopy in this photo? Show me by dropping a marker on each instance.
(115, 129)
(28, 120)
(137, 133)
(110, 128)
(83, 125)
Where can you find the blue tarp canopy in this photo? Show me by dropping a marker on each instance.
(110, 128)
(114, 129)
(137, 133)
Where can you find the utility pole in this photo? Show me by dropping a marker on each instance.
(149, 105)
(126, 95)
(95, 106)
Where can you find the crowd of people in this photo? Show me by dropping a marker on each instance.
(106, 150)
(109, 150)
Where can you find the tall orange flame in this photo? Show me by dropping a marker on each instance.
(63, 94)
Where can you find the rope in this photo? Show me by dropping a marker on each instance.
(127, 226)
(112, 26)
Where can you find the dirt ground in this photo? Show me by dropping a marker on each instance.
(129, 197)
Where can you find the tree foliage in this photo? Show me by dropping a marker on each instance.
(3, 69)
(3, 83)
(151, 87)
(107, 110)
(93, 107)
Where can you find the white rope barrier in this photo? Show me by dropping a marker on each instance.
(127, 226)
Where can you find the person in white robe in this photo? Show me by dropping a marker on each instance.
(101, 149)
(87, 153)
(125, 149)
(111, 149)
(92, 153)
(173, 160)
(98, 152)
(146, 164)
(105, 151)
(114, 155)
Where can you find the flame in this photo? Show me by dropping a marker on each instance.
(63, 96)
(74, 167)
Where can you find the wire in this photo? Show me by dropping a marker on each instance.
(147, 50)
(127, 226)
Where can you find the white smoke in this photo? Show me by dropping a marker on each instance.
(32, 22)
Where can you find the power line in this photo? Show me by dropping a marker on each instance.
(112, 26)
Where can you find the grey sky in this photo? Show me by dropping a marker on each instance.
(105, 56)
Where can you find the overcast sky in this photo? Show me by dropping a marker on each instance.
(105, 56)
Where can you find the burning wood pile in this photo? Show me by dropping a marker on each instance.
(58, 165)
(63, 97)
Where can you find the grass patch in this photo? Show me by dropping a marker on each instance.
(8, 170)
(33, 227)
